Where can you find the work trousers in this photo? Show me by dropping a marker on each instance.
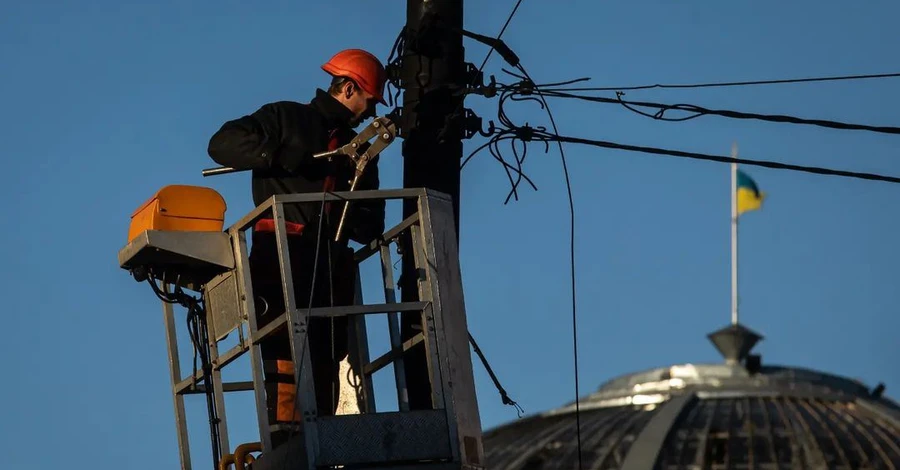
(327, 337)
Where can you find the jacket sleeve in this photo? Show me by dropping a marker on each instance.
(368, 216)
(250, 142)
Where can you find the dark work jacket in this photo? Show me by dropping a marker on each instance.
(278, 141)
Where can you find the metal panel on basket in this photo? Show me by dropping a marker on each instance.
(223, 305)
(384, 437)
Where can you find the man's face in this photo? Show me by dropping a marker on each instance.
(360, 103)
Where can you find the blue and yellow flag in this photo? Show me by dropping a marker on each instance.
(749, 197)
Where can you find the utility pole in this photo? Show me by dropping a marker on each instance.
(433, 69)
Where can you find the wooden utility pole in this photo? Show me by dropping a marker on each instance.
(432, 70)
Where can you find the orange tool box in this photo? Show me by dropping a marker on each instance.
(180, 208)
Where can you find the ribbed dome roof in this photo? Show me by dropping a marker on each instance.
(710, 416)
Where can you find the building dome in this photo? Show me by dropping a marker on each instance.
(739, 415)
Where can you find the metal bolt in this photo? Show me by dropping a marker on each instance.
(385, 136)
(376, 124)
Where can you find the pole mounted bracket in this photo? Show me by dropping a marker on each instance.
(474, 83)
(431, 22)
(467, 122)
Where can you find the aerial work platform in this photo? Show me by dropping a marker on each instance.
(214, 263)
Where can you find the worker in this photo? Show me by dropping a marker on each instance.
(277, 142)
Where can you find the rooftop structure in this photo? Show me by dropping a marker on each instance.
(739, 415)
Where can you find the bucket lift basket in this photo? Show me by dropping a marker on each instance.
(215, 263)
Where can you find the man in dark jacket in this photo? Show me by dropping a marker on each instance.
(277, 143)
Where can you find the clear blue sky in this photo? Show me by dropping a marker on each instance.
(104, 102)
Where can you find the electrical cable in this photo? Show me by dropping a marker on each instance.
(562, 156)
(499, 35)
(198, 332)
(393, 63)
(701, 111)
(528, 90)
(526, 134)
(741, 83)
(507, 134)
(721, 159)
(503, 395)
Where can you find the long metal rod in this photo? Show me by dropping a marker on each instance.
(390, 297)
(219, 398)
(245, 287)
(361, 195)
(231, 355)
(226, 387)
(392, 355)
(220, 170)
(734, 240)
(184, 446)
(297, 327)
(365, 252)
(244, 222)
(360, 354)
(426, 319)
(369, 309)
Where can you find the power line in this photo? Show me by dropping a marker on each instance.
(545, 136)
(499, 35)
(701, 111)
(562, 156)
(742, 83)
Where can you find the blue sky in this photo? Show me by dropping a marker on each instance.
(104, 102)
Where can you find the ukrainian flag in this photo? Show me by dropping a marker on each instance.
(749, 197)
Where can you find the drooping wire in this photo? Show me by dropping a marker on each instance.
(734, 84)
(562, 156)
(503, 395)
(393, 63)
(507, 134)
(199, 335)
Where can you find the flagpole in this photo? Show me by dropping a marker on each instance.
(734, 239)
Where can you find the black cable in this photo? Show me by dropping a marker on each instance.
(508, 134)
(715, 158)
(503, 395)
(562, 156)
(499, 35)
(198, 332)
(743, 83)
(393, 63)
(701, 111)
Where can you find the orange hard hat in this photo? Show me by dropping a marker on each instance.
(360, 66)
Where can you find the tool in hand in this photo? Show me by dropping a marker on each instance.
(382, 127)
(385, 131)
